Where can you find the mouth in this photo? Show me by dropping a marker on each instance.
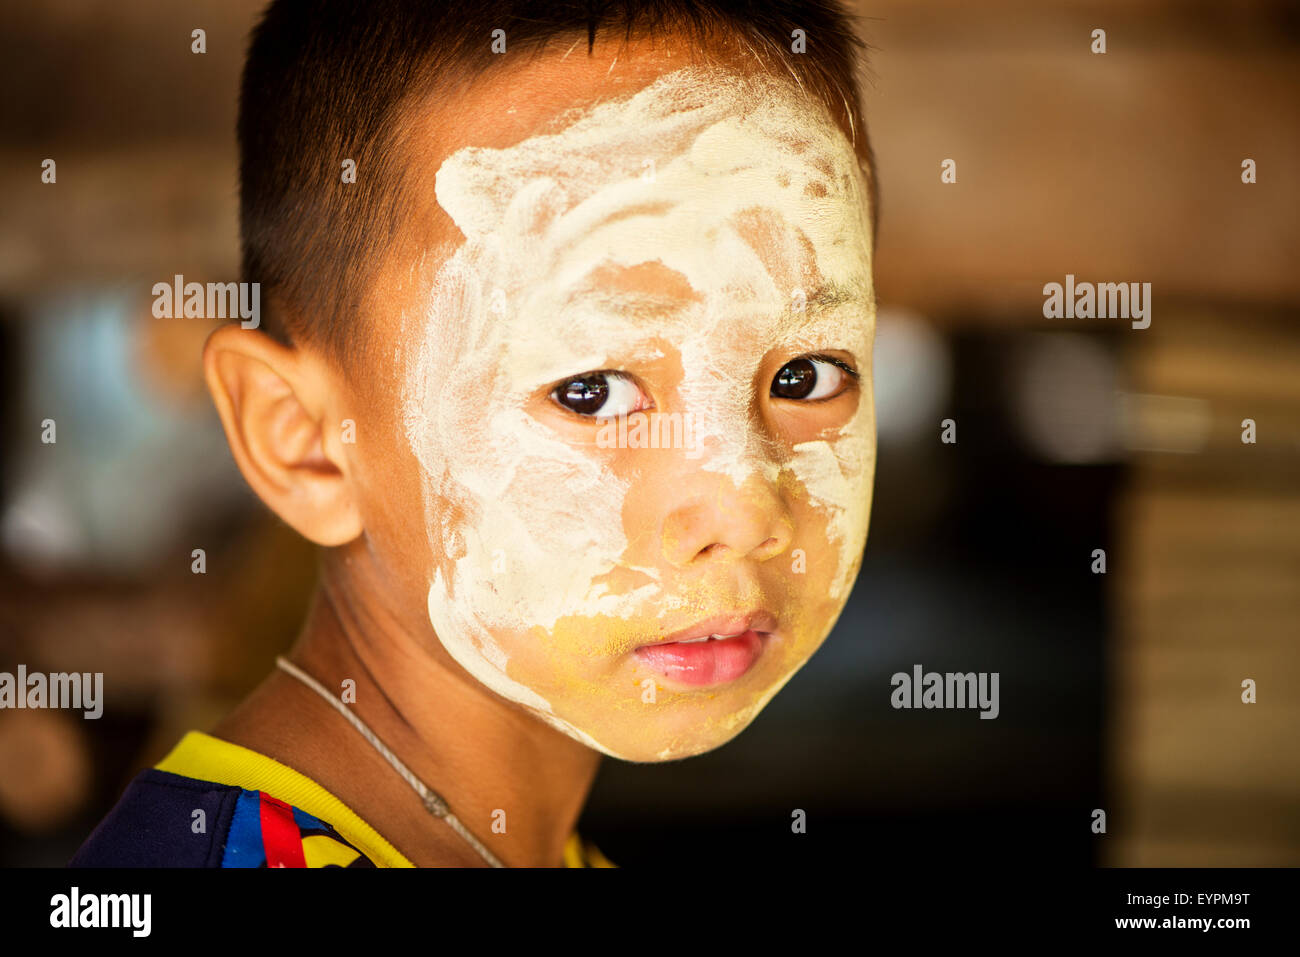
(711, 652)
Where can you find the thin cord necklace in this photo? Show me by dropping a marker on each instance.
(433, 801)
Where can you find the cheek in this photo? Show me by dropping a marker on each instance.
(836, 481)
(539, 532)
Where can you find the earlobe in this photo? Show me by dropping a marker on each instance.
(273, 401)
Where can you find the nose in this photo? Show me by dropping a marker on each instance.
(718, 521)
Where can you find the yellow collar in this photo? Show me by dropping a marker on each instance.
(206, 758)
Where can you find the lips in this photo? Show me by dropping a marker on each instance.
(728, 623)
(714, 651)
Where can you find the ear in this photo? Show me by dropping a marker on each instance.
(276, 404)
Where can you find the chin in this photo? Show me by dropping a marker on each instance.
(655, 745)
(660, 752)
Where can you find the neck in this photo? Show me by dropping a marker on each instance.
(515, 782)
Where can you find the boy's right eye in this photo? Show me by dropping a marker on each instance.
(600, 395)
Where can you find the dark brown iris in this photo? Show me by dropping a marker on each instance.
(584, 395)
(795, 380)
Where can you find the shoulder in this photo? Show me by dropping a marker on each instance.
(162, 820)
(169, 820)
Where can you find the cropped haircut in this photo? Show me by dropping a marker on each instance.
(331, 80)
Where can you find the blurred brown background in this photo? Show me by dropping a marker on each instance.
(1117, 167)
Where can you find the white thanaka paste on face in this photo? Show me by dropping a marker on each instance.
(513, 310)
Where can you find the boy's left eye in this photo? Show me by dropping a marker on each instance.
(812, 378)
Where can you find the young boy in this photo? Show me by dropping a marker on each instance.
(567, 371)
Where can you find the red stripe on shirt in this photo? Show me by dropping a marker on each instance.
(281, 839)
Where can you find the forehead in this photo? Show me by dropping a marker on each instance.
(649, 187)
(541, 95)
(516, 102)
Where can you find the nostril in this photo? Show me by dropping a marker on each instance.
(771, 548)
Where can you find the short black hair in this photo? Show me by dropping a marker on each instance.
(327, 80)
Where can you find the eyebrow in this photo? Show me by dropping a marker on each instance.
(832, 294)
(629, 304)
(827, 295)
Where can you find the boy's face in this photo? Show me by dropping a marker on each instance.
(689, 250)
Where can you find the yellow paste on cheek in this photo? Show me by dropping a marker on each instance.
(528, 526)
